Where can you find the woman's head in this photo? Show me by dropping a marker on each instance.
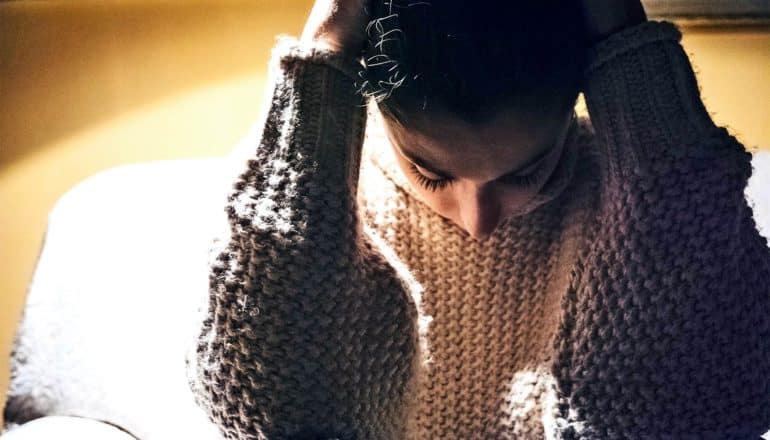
(473, 95)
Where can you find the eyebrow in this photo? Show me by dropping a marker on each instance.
(422, 163)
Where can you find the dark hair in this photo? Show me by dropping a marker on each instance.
(470, 57)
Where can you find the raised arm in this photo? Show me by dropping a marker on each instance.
(311, 330)
(667, 334)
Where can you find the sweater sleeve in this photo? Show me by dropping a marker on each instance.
(666, 331)
(311, 325)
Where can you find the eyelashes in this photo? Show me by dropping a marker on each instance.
(429, 184)
(510, 179)
(525, 180)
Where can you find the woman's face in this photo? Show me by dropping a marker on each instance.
(477, 175)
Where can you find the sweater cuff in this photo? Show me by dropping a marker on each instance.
(316, 95)
(289, 49)
(643, 96)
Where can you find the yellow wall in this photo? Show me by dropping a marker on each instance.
(88, 85)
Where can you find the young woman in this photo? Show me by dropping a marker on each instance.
(484, 264)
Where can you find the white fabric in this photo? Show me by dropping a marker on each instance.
(66, 428)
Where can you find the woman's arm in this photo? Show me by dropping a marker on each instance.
(667, 333)
(310, 332)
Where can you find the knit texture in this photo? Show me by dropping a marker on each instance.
(630, 300)
(311, 332)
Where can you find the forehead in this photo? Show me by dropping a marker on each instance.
(478, 151)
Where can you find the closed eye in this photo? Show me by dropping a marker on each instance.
(523, 180)
(527, 177)
(524, 177)
(515, 179)
(431, 184)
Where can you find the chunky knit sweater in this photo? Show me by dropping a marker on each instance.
(630, 300)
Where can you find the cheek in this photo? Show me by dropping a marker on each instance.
(512, 200)
(441, 201)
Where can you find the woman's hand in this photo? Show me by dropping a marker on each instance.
(338, 24)
(605, 17)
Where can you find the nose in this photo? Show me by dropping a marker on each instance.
(479, 211)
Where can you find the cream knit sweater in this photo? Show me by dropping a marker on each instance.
(630, 300)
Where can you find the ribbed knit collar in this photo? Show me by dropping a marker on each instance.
(377, 148)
